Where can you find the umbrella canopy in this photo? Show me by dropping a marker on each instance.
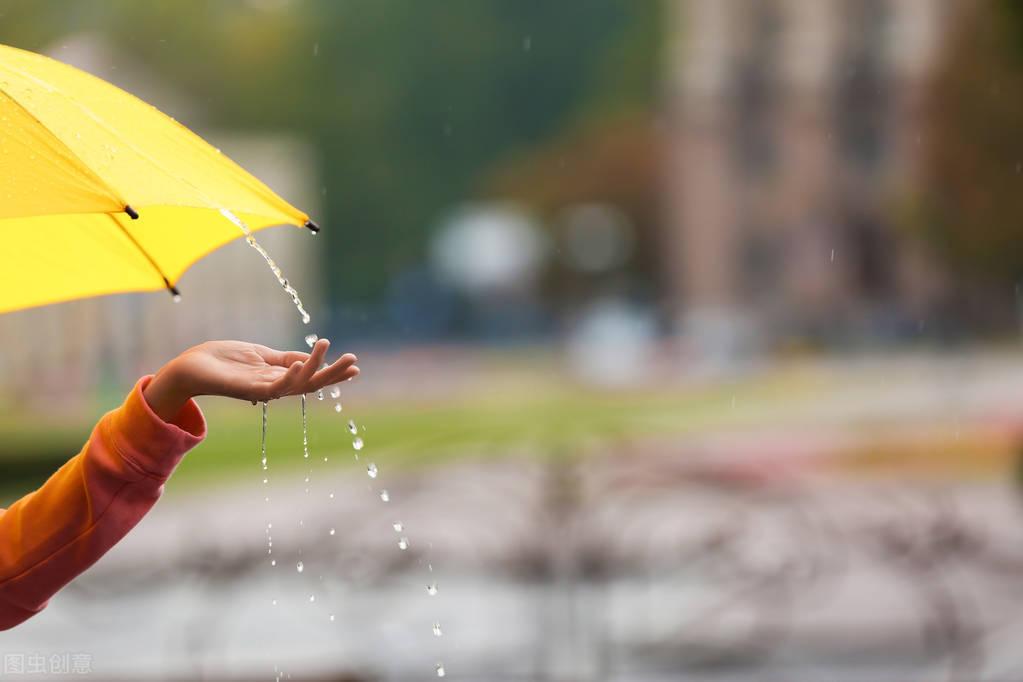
(102, 193)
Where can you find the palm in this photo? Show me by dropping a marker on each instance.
(248, 371)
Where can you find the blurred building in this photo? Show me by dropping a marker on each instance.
(59, 354)
(795, 128)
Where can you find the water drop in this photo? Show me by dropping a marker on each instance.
(431, 589)
(273, 562)
(332, 531)
(332, 618)
(331, 496)
(437, 631)
(440, 670)
(385, 496)
(337, 407)
(319, 394)
(352, 428)
(262, 441)
(312, 598)
(357, 443)
(305, 431)
(403, 542)
(311, 339)
(273, 602)
(335, 392)
(398, 526)
(299, 567)
(372, 470)
(176, 298)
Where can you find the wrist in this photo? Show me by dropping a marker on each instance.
(166, 394)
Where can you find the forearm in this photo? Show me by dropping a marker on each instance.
(53, 534)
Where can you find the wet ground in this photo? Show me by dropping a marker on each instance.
(619, 567)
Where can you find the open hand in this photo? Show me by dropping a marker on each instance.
(246, 371)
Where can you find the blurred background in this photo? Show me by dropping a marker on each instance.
(690, 337)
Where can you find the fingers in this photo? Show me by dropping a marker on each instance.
(310, 365)
(344, 368)
(287, 382)
(301, 375)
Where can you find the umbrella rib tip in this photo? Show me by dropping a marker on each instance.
(173, 290)
(311, 226)
(132, 213)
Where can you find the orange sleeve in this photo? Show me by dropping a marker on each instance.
(52, 535)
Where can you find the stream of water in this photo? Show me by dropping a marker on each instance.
(357, 442)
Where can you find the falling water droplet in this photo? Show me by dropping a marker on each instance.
(440, 670)
(357, 443)
(299, 567)
(332, 531)
(273, 602)
(431, 589)
(305, 431)
(332, 618)
(273, 562)
(352, 428)
(262, 441)
(312, 598)
(331, 496)
(403, 542)
(372, 470)
(437, 632)
(337, 407)
(335, 392)
(385, 496)
(398, 526)
(319, 394)
(311, 339)
(176, 298)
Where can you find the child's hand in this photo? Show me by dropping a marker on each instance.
(242, 370)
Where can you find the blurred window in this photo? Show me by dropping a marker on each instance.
(755, 94)
(761, 254)
(862, 94)
(873, 255)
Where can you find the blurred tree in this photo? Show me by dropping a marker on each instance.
(973, 159)
(409, 103)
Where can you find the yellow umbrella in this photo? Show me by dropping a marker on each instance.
(102, 193)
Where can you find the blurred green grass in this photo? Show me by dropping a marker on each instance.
(552, 422)
(546, 419)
